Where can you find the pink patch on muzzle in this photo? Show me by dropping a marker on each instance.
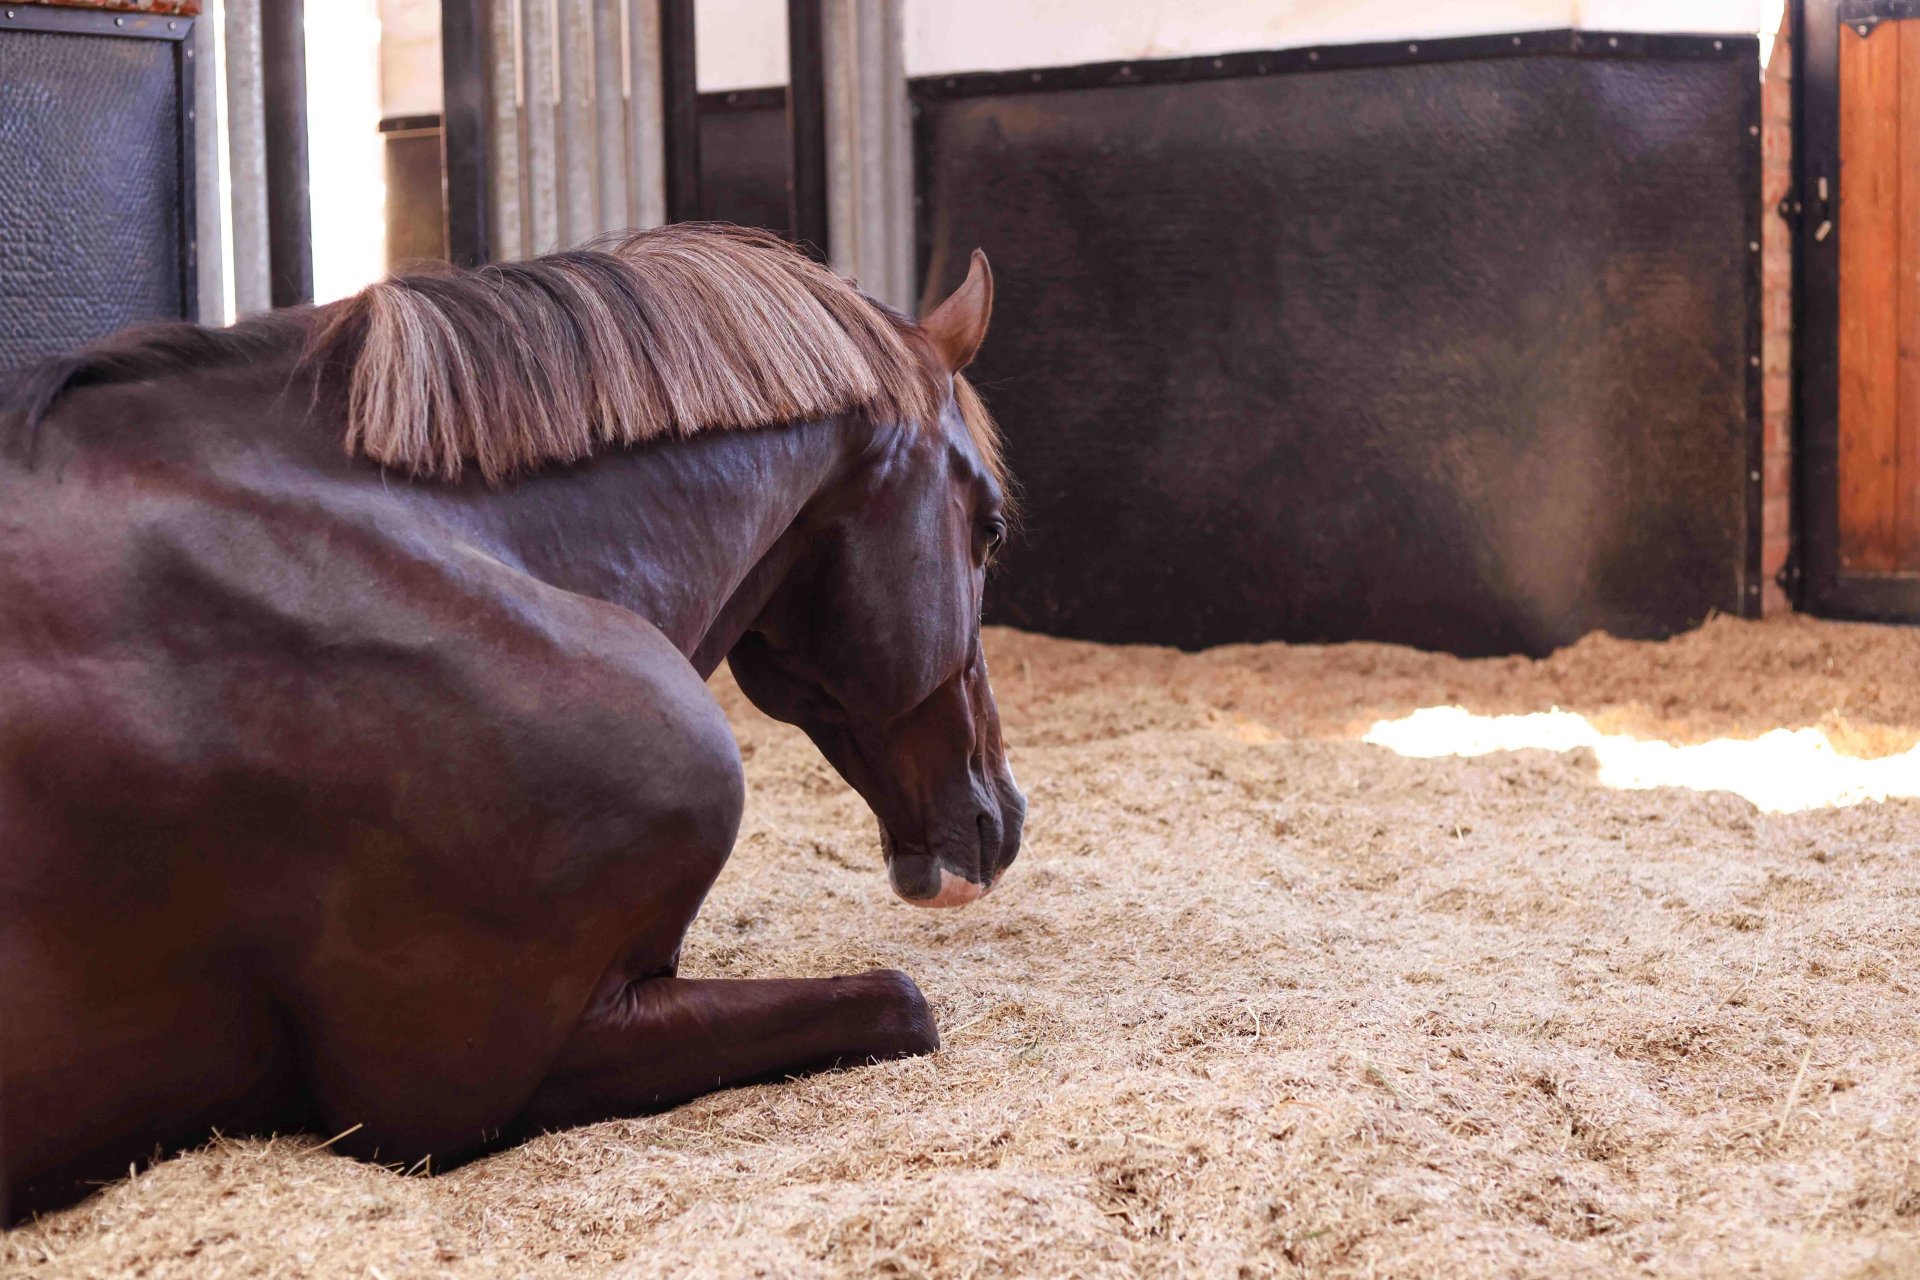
(955, 891)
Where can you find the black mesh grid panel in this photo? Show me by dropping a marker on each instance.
(90, 198)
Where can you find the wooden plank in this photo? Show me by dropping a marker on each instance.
(1907, 335)
(1869, 300)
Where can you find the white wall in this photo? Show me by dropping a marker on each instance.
(409, 57)
(743, 42)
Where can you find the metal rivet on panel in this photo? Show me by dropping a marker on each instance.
(119, 22)
(1313, 57)
(1754, 129)
(1754, 476)
(1516, 41)
(1126, 71)
(1754, 361)
(1613, 42)
(1219, 62)
(1035, 77)
(1413, 48)
(1718, 45)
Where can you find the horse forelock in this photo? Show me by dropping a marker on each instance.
(655, 334)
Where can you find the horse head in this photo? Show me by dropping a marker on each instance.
(872, 643)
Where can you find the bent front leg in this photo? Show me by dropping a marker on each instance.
(662, 1041)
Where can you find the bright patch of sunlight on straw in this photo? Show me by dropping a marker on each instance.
(1783, 771)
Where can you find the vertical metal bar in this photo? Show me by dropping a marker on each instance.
(869, 147)
(506, 226)
(680, 99)
(283, 82)
(247, 159)
(609, 117)
(807, 125)
(536, 65)
(646, 121)
(465, 128)
(870, 206)
(189, 109)
(579, 196)
(210, 223)
(1816, 294)
(896, 286)
(838, 46)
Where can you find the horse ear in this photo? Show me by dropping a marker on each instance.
(958, 326)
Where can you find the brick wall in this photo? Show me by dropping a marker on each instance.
(1777, 305)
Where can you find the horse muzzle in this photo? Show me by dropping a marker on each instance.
(965, 862)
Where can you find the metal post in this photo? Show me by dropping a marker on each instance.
(609, 123)
(579, 196)
(869, 159)
(247, 158)
(507, 126)
(537, 66)
(464, 56)
(209, 211)
(646, 121)
(807, 126)
(680, 96)
(283, 67)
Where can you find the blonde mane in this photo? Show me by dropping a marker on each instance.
(655, 334)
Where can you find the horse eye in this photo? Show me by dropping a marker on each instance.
(996, 534)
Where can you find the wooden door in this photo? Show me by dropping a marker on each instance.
(1879, 303)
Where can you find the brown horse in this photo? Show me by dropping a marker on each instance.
(377, 785)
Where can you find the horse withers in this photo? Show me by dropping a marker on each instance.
(357, 765)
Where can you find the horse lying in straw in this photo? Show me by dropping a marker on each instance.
(377, 785)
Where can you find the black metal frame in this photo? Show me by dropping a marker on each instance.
(1864, 15)
(283, 82)
(465, 127)
(680, 99)
(1336, 57)
(928, 90)
(142, 26)
(1814, 576)
(807, 125)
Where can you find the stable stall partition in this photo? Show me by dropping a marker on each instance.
(1452, 343)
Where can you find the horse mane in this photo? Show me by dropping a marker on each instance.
(513, 366)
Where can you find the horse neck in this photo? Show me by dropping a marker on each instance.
(686, 534)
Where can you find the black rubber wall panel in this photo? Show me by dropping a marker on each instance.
(1454, 354)
(91, 188)
(743, 158)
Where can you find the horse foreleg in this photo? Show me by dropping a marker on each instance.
(661, 1041)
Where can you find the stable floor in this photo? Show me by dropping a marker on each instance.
(1262, 997)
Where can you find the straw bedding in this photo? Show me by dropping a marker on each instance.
(1258, 999)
